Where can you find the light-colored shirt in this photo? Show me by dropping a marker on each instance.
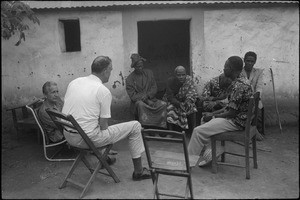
(87, 100)
(52, 132)
(255, 80)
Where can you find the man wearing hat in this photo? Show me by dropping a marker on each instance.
(141, 88)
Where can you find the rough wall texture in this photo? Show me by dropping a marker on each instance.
(216, 34)
(273, 33)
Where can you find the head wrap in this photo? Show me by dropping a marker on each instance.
(135, 58)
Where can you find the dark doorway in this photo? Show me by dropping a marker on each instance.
(165, 44)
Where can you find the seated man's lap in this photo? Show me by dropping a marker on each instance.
(215, 126)
(113, 134)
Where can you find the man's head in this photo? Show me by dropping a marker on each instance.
(137, 62)
(102, 67)
(180, 73)
(233, 67)
(50, 91)
(250, 60)
(224, 82)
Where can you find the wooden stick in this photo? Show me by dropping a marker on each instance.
(267, 150)
(276, 106)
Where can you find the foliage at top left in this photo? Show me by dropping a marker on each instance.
(13, 14)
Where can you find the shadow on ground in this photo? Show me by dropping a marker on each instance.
(26, 174)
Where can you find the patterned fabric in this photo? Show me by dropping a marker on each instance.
(152, 115)
(139, 85)
(240, 94)
(212, 89)
(187, 96)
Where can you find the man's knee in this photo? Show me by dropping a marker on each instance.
(136, 126)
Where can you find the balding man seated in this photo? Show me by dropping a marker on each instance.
(180, 96)
(54, 102)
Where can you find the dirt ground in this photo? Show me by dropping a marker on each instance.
(26, 174)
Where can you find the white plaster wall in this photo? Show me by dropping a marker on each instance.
(273, 33)
(216, 34)
(27, 67)
(131, 17)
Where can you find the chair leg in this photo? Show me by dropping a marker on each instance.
(247, 160)
(263, 120)
(87, 164)
(91, 179)
(254, 152)
(214, 155)
(223, 154)
(191, 187)
(76, 162)
(155, 189)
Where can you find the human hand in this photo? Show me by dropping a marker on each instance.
(207, 118)
(144, 98)
(207, 114)
(150, 103)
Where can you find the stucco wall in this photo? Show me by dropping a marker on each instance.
(215, 34)
(26, 67)
(273, 33)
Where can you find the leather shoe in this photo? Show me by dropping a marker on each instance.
(141, 176)
(110, 160)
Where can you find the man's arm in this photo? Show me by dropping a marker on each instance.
(206, 94)
(105, 104)
(131, 90)
(230, 113)
(170, 94)
(103, 123)
(260, 84)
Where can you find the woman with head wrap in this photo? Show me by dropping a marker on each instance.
(141, 89)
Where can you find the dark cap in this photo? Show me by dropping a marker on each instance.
(135, 58)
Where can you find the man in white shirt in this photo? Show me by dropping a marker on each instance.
(255, 78)
(89, 102)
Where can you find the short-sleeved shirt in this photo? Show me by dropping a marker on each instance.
(212, 88)
(87, 100)
(52, 132)
(239, 97)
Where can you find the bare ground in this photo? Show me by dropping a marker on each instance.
(26, 174)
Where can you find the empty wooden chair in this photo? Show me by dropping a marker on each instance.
(168, 162)
(68, 123)
(245, 136)
(23, 119)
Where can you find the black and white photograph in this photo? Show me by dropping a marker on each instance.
(150, 99)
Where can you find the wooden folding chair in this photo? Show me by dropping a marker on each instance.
(22, 119)
(168, 162)
(34, 107)
(68, 123)
(245, 136)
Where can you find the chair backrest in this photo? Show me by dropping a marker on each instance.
(67, 122)
(34, 108)
(251, 121)
(177, 137)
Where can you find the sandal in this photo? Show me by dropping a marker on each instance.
(141, 176)
(207, 155)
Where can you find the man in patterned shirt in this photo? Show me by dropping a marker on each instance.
(215, 92)
(234, 116)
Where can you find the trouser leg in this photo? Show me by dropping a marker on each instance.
(201, 134)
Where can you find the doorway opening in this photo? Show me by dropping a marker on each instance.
(165, 44)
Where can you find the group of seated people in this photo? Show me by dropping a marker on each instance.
(224, 104)
(181, 99)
